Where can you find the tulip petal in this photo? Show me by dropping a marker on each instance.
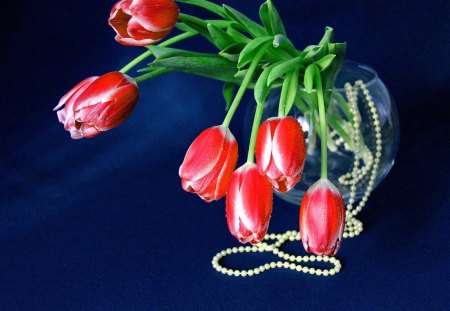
(134, 42)
(88, 131)
(101, 90)
(288, 146)
(69, 94)
(322, 218)
(75, 135)
(248, 204)
(118, 20)
(137, 32)
(263, 148)
(61, 115)
(155, 15)
(203, 154)
(228, 166)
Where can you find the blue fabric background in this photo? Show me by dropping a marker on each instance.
(103, 224)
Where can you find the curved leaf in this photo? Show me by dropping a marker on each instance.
(250, 50)
(228, 92)
(325, 61)
(221, 38)
(283, 42)
(232, 52)
(217, 9)
(275, 20)
(234, 32)
(262, 89)
(284, 68)
(255, 29)
(308, 79)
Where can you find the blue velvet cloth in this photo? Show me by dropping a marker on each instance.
(103, 224)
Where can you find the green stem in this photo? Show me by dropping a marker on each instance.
(255, 127)
(323, 123)
(245, 82)
(153, 74)
(145, 55)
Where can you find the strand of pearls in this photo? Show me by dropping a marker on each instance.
(353, 227)
(289, 261)
(352, 96)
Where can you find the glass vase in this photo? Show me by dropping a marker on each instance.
(339, 142)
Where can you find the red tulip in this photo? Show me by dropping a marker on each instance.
(281, 152)
(209, 163)
(322, 219)
(143, 22)
(248, 204)
(97, 104)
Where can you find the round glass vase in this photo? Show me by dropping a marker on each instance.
(340, 149)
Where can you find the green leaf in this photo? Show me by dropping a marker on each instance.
(220, 23)
(234, 31)
(221, 38)
(203, 64)
(262, 89)
(183, 27)
(330, 74)
(250, 50)
(308, 80)
(325, 61)
(275, 20)
(327, 37)
(165, 52)
(282, 42)
(264, 15)
(228, 92)
(293, 85)
(232, 52)
(217, 9)
(241, 74)
(254, 29)
(310, 52)
(271, 19)
(284, 68)
(196, 24)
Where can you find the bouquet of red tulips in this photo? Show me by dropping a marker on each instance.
(251, 55)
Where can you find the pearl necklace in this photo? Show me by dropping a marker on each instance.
(353, 227)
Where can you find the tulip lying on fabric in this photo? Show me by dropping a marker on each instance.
(281, 152)
(97, 104)
(322, 219)
(249, 204)
(209, 163)
(143, 22)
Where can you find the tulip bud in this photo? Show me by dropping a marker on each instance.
(97, 104)
(143, 22)
(209, 163)
(281, 152)
(322, 219)
(248, 204)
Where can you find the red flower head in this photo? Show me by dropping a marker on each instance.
(143, 22)
(280, 152)
(97, 104)
(322, 219)
(209, 163)
(249, 204)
